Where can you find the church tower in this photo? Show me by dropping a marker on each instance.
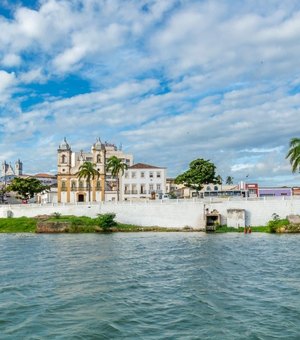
(18, 168)
(64, 158)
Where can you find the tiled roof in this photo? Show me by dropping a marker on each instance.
(44, 176)
(144, 166)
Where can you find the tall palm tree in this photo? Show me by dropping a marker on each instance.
(87, 171)
(116, 167)
(229, 180)
(294, 154)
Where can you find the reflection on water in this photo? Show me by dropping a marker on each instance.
(150, 286)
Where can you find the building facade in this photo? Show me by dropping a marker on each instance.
(9, 172)
(274, 191)
(70, 189)
(143, 181)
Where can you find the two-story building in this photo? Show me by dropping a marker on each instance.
(142, 181)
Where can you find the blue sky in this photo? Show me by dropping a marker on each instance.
(170, 80)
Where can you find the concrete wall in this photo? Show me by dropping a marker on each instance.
(170, 213)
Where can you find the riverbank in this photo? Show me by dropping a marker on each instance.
(74, 224)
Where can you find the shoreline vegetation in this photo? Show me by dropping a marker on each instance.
(105, 223)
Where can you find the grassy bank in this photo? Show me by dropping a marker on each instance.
(71, 224)
(18, 225)
(225, 229)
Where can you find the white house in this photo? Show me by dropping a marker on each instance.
(142, 181)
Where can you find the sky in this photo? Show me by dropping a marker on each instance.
(169, 80)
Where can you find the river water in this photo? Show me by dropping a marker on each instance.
(150, 286)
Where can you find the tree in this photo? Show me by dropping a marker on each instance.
(116, 166)
(26, 188)
(201, 172)
(219, 180)
(294, 154)
(229, 180)
(88, 172)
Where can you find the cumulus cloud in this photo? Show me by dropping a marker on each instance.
(172, 80)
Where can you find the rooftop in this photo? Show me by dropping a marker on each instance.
(144, 166)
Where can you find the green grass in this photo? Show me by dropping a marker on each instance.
(17, 225)
(225, 229)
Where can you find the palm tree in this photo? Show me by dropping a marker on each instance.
(88, 172)
(229, 180)
(116, 167)
(294, 154)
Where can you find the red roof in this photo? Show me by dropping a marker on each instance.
(144, 166)
(44, 176)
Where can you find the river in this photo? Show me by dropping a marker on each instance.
(150, 286)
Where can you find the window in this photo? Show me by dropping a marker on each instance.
(208, 188)
(73, 185)
(134, 190)
(143, 190)
(98, 159)
(151, 174)
(63, 159)
(80, 184)
(216, 188)
(133, 175)
(126, 174)
(158, 174)
(98, 185)
(151, 187)
(157, 186)
(142, 174)
(63, 186)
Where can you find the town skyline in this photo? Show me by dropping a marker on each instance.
(171, 81)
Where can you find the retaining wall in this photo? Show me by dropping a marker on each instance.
(173, 213)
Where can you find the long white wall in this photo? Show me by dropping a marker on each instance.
(177, 214)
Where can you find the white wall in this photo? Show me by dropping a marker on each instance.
(169, 214)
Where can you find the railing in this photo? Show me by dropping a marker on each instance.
(144, 192)
(210, 200)
(80, 188)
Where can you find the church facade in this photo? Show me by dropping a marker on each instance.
(9, 172)
(71, 189)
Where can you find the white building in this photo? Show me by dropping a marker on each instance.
(142, 181)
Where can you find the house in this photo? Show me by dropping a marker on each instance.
(274, 191)
(46, 179)
(143, 181)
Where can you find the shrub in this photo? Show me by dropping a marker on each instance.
(277, 223)
(106, 221)
(56, 215)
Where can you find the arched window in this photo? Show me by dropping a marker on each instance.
(63, 158)
(216, 188)
(98, 159)
(208, 188)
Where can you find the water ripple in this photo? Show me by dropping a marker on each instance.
(150, 286)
